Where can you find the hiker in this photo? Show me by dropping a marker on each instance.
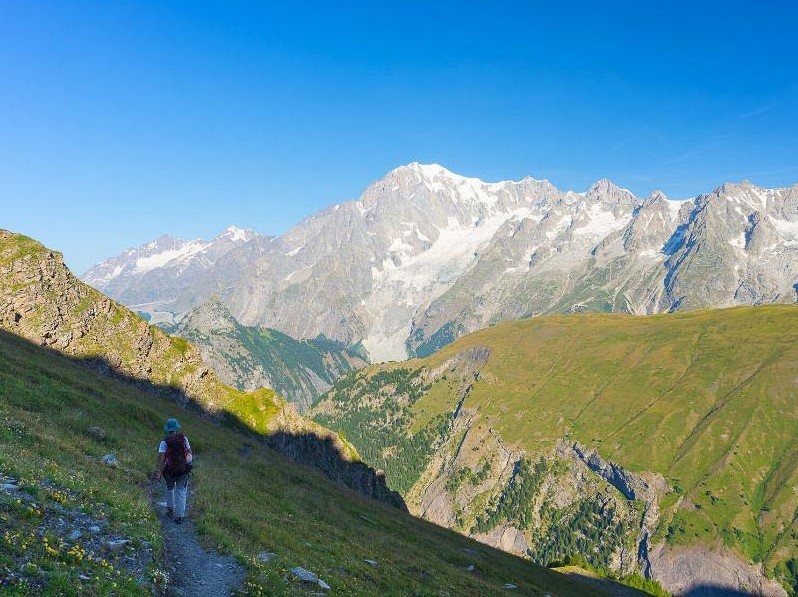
(174, 465)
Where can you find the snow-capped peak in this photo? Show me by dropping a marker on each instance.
(147, 263)
(433, 175)
(745, 192)
(430, 171)
(165, 251)
(656, 196)
(610, 193)
(433, 172)
(236, 234)
(605, 185)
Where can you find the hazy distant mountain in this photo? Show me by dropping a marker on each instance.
(168, 275)
(250, 358)
(425, 255)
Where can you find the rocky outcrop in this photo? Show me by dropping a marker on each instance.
(506, 538)
(326, 452)
(43, 302)
(645, 488)
(700, 572)
(622, 480)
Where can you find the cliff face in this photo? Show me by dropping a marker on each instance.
(43, 302)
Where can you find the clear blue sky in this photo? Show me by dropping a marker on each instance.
(123, 120)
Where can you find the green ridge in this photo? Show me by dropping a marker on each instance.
(60, 310)
(708, 399)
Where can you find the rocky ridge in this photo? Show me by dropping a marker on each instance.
(43, 302)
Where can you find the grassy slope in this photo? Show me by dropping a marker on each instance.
(248, 498)
(706, 398)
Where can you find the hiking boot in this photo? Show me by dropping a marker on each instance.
(170, 512)
(179, 520)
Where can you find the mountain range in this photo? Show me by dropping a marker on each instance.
(169, 267)
(426, 255)
(520, 435)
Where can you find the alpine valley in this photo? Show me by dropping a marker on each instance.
(584, 377)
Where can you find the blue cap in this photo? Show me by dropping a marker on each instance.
(171, 425)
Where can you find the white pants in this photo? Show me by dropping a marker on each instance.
(176, 490)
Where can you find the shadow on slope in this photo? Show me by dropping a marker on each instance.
(304, 447)
(322, 453)
(714, 591)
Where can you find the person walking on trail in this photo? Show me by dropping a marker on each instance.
(173, 466)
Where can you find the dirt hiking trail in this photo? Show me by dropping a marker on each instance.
(192, 570)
